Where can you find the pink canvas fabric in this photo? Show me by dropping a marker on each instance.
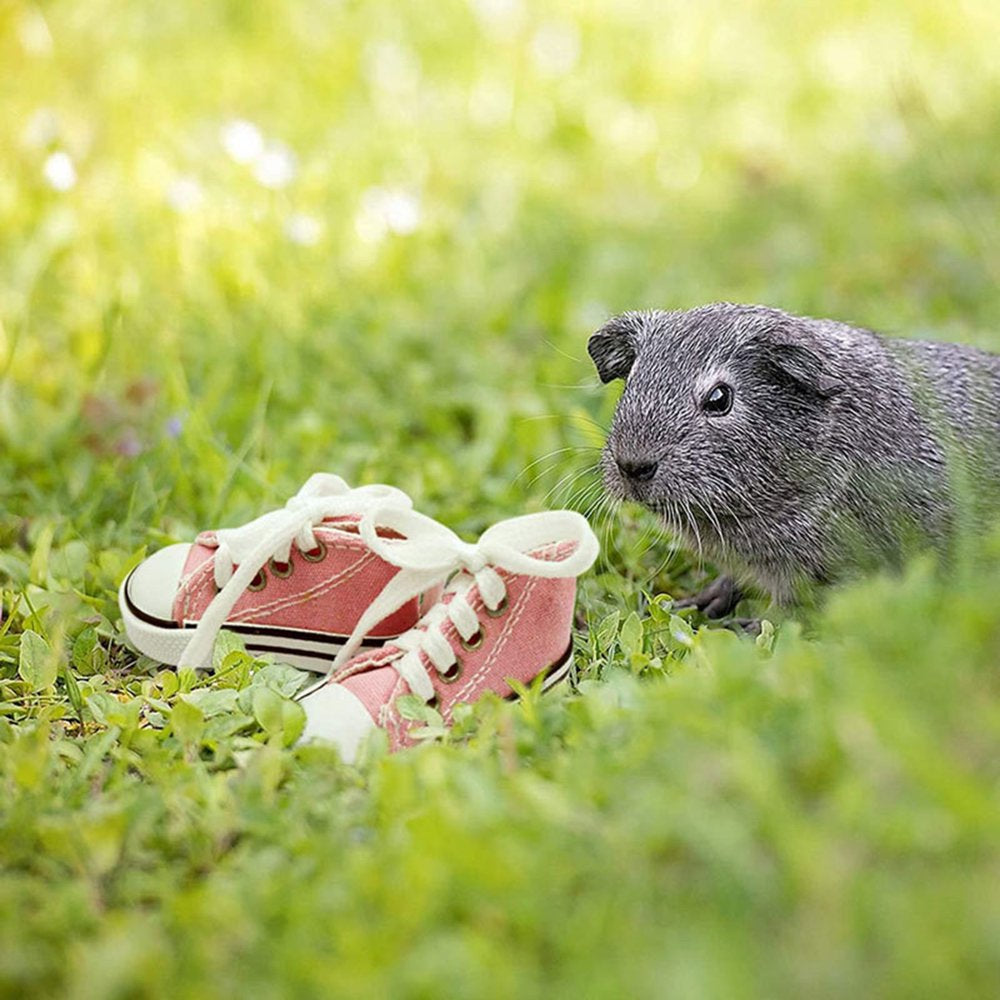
(530, 636)
(327, 594)
(507, 615)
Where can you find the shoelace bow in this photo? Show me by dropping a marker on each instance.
(242, 552)
(427, 553)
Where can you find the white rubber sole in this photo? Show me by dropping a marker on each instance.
(559, 672)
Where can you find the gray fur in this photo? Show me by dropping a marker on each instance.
(842, 450)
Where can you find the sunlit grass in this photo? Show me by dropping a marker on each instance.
(240, 243)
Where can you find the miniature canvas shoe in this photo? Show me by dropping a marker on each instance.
(507, 614)
(293, 582)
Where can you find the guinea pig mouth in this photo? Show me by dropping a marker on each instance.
(654, 493)
(681, 512)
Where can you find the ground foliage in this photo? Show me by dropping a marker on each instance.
(243, 242)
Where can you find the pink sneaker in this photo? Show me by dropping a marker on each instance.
(293, 582)
(507, 614)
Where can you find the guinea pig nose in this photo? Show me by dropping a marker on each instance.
(638, 470)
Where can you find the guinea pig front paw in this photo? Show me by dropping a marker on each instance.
(717, 600)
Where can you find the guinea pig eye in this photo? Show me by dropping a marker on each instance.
(718, 401)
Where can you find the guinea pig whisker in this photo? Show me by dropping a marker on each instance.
(585, 418)
(583, 499)
(590, 383)
(644, 543)
(560, 417)
(611, 510)
(678, 523)
(570, 423)
(712, 519)
(693, 526)
(671, 522)
(564, 481)
(566, 484)
(599, 516)
(669, 555)
(558, 350)
(599, 501)
(594, 500)
(549, 455)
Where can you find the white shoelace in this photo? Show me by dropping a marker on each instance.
(428, 553)
(242, 552)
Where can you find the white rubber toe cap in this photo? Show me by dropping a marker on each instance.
(146, 599)
(152, 585)
(336, 715)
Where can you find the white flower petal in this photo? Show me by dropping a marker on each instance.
(276, 167)
(60, 171)
(555, 48)
(242, 140)
(305, 230)
(185, 194)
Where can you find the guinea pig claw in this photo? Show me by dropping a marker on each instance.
(717, 600)
(746, 626)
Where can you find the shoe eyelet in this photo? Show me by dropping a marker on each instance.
(475, 641)
(435, 701)
(499, 609)
(317, 554)
(281, 570)
(453, 673)
(259, 582)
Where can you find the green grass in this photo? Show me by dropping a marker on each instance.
(181, 346)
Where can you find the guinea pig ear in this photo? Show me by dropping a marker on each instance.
(807, 367)
(613, 348)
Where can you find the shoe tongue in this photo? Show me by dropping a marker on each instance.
(372, 687)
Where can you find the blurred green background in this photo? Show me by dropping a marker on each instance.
(375, 237)
(243, 242)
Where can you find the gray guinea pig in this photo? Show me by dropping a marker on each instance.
(794, 451)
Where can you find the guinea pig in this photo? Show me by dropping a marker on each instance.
(794, 451)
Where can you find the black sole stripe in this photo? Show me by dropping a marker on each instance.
(274, 632)
(310, 654)
(320, 638)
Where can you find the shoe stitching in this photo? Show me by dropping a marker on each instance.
(291, 599)
(279, 602)
(366, 661)
(388, 717)
(193, 582)
(400, 727)
(304, 596)
(519, 609)
(198, 577)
